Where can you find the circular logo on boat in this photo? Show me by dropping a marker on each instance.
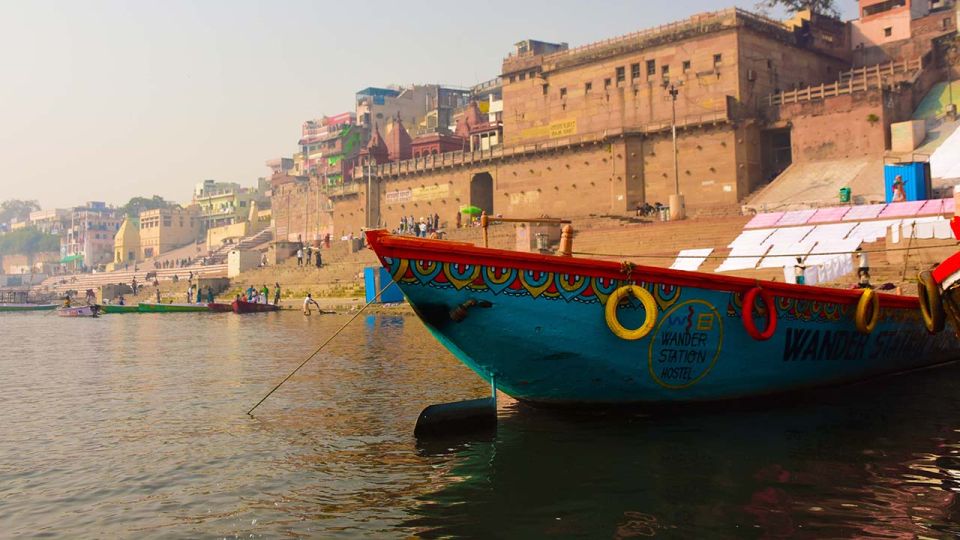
(685, 344)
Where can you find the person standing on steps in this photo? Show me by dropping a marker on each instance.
(300, 257)
(209, 295)
(863, 269)
(319, 260)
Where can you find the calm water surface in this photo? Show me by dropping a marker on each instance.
(135, 426)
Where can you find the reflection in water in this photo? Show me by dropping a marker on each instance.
(135, 425)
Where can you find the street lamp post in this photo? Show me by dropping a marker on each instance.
(677, 210)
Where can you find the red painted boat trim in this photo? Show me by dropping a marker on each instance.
(242, 306)
(405, 247)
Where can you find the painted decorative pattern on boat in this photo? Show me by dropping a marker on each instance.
(514, 282)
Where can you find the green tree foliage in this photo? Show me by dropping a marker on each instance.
(27, 242)
(824, 7)
(139, 204)
(15, 208)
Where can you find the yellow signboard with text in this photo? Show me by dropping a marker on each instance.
(554, 130)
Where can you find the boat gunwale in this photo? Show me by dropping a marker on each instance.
(385, 244)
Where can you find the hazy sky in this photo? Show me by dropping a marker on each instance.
(108, 100)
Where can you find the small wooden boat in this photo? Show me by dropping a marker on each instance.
(144, 307)
(27, 307)
(242, 306)
(117, 308)
(220, 308)
(79, 311)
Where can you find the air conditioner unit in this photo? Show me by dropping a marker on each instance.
(751, 75)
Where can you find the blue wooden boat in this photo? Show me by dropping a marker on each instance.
(563, 331)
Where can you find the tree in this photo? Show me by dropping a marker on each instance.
(28, 241)
(15, 208)
(823, 7)
(139, 204)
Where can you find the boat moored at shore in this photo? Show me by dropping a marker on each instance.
(26, 307)
(564, 331)
(242, 307)
(172, 308)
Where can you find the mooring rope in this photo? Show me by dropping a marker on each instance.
(804, 255)
(324, 344)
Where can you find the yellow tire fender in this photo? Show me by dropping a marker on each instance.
(649, 308)
(931, 303)
(868, 306)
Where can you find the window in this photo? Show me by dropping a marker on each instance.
(587, 87)
(546, 89)
(563, 92)
(717, 60)
(634, 71)
(665, 71)
(686, 66)
(651, 68)
(888, 31)
(513, 78)
(621, 74)
(606, 83)
(946, 23)
(523, 76)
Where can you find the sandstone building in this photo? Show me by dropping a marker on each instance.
(589, 130)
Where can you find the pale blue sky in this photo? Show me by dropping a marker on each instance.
(105, 100)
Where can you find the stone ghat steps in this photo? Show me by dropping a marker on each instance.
(344, 273)
(82, 282)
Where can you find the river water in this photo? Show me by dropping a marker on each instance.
(135, 426)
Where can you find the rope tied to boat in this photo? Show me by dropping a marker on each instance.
(627, 267)
(322, 345)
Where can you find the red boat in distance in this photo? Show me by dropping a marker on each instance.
(220, 308)
(242, 306)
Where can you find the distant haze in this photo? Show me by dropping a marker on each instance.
(109, 100)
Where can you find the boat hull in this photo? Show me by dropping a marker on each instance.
(172, 308)
(536, 325)
(220, 308)
(27, 307)
(117, 309)
(242, 307)
(79, 311)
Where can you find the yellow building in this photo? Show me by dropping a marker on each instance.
(126, 243)
(165, 229)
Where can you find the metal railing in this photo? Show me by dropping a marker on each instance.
(850, 82)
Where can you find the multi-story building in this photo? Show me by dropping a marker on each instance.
(711, 108)
(328, 147)
(165, 229)
(224, 203)
(89, 236)
(899, 29)
(51, 221)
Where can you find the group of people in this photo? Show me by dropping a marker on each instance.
(427, 226)
(262, 296)
(312, 254)
(649, 210)
(863, 270)
(195, 294)
(172, 263)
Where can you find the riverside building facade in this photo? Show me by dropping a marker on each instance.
(592, 130)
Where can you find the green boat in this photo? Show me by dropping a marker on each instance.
(27, 307)
(172, 308)
(115, 308)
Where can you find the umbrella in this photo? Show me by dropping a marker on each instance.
(472, 210)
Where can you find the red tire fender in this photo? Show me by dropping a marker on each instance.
(748, 324)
